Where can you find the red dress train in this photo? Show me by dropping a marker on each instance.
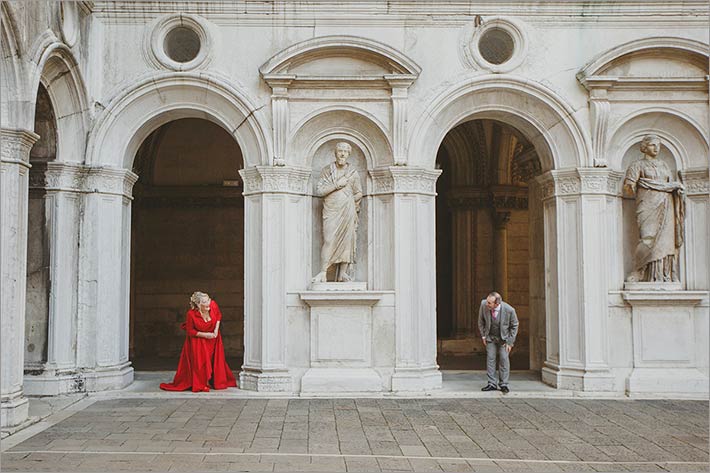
(201, 358)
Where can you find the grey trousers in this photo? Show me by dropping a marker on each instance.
(493, 349)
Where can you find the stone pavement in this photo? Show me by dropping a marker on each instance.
(496, 434)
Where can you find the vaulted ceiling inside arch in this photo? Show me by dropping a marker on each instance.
(483, 153)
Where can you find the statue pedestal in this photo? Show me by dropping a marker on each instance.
(664, 347)
(341, 339)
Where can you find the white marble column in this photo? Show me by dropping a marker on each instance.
(15, 147)
(62, 186)
(413, 222)
(577, 216)
(272, 197)
(104, 279)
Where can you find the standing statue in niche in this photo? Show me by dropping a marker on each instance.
(339, 185)
(660, 213)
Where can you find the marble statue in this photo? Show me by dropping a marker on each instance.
(660, 212)
(339, 185)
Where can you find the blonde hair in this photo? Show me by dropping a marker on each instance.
(195, 299)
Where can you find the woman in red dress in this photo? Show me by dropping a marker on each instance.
(202, 363)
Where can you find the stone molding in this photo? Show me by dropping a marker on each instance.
(404, 180)
(281, 179)
(72, 177)
(580, 181)
(16, 146)
(696, 181)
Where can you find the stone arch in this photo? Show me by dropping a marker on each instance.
(685, 138)
(139, 109)
(11, 77)
(536, 111)
(58, 71)
(353, 46)
(362, 127)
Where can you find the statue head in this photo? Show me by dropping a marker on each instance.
(342, 153)
(651, 145)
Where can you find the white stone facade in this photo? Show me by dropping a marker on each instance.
(583, 83)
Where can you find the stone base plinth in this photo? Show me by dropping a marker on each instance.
(667, 381)
(53, 384)
(329, 380)
(339, 286)
(104, 379)
(664, 347)
(341, 339)
(416, 380)
(14, 411)
(577, 379)
(276, 381)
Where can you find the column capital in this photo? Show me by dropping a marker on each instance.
(106, 180)
(578, 181)
(58, 176)
(276, 179)
(696, 181)
(16, 145)
(404, 180)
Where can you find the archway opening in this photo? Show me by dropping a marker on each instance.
(38, 237)
(488, 238)
(187, 234)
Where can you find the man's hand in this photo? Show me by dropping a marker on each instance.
(484, 341)
(508, 347)
(342, 182)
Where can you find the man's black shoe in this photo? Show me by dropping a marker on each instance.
(490, 387)
(504, 389)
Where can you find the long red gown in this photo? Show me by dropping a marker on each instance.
(201, 358)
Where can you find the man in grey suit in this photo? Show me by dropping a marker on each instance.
(498, 325)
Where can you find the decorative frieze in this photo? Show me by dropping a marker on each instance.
(282, 179)
(395, 179)
(696, 181)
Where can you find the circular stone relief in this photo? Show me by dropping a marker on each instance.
(179, 42)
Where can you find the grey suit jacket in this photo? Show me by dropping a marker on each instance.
(508, 322)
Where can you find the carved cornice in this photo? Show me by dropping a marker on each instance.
(16, 146)
(580, 181)
(404, 180)
(696, 181)
(280, 179)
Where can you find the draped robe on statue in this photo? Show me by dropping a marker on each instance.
(201, 358)
(340, 216)
(660, 213)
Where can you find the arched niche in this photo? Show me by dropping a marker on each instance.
(310, 133)
(679, 133)
(142, 107)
